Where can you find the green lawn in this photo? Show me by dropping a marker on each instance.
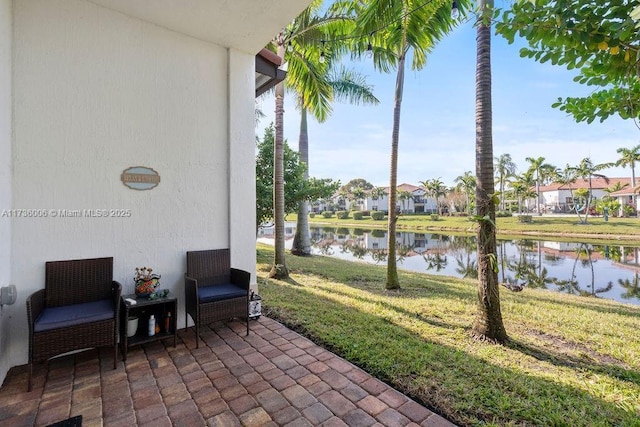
(596, 227)
(571, 361)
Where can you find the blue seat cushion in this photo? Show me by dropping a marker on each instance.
(73, 315)
(220, 292)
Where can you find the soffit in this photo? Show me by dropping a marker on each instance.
(246, 25)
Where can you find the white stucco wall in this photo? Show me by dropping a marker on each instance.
(5, 172)
(96, 92)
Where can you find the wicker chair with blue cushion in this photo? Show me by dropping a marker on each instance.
(213, 290)
(77, 309)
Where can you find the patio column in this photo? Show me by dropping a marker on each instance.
(242, 169)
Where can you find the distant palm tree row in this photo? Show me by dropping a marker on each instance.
(540, 173)
(511, 185)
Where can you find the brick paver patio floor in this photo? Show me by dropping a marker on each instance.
(273, 377)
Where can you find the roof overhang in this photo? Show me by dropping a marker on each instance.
(245, 25)
(268, 71)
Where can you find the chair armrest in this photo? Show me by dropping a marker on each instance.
(240, 278)
(190, 288)
(35, 306)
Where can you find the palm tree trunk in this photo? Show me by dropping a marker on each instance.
(301, 241)
(279, 268)
(633, 186)
(538, 193)
(488, 322)
(587, 204)
(501, 192)
(392, 270)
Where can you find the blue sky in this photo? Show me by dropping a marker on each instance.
(437, 125)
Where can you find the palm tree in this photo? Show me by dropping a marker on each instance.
(358, 194)
(566, 177)
(467, 184)
(617, 186)
(345, 85)
(541, 170)
(404, 195)
(279, 267)
(504, 168)
(436, 190)
(609, 202)
(629, 157)
(521, 186)
(587, 170)
(315, 85)
(397, 29)
(488, 323)
(377, 193)
(344, 198)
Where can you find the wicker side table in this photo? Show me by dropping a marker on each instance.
(143, 309)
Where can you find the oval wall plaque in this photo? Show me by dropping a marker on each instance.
(140, 178)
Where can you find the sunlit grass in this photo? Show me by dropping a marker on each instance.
(570, 361)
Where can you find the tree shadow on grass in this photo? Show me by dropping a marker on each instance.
(402, 311)
(558, 352)
(465, 388)
(589, 303)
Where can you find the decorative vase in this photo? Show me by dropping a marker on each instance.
(145, 287)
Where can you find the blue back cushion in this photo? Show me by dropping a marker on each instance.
(220, 292)
(73, 315)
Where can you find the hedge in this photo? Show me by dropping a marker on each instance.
(377, 215)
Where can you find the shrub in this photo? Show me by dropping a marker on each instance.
(327, 214)
(378, 233)
(377, 215)
(525, 218)
(358, 232)
(627, 210)
(503, 214)
(435, 217)
(366, 213)
(312, 214)
(342, 214)
(357, 215)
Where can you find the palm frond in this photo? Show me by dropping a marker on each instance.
(352, 87)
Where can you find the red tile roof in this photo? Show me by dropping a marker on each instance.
(404, 187)
(626, 192)
(596, 184)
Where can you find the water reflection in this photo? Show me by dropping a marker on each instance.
(575, 268)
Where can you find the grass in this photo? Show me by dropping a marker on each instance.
(570, 361)
(596, 227)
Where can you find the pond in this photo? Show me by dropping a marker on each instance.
(606, 271)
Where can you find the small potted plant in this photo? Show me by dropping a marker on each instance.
(146, 282)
